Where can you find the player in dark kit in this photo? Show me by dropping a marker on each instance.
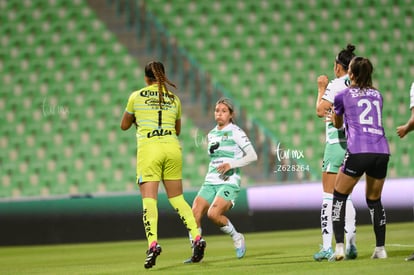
(359, 109)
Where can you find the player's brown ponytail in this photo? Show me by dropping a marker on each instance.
(158, 73)
(361, 69)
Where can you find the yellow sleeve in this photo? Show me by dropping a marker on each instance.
(178, 108)
(130, 105)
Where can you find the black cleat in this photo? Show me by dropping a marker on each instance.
(199, 245)
(152, 254)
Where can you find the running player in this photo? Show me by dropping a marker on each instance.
(335, 148)
(409, 126)
(156, 112)
(402, 130)
(360, 107)
(229, 149)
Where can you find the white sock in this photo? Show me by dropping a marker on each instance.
(230, 230)
(326, 220)
(191, 238)
(350, 228)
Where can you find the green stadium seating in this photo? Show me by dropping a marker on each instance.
(66, 79)
(71, 70)
(301, 38)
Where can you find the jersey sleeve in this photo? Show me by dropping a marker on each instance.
(339, 104)
(249, 157)
(241, 138)
(412, 96)
(329, 94)
(130, 105)
(249, 154)
(178, 102)
(334, 87)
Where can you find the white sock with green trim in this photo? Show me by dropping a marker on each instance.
(230, 230)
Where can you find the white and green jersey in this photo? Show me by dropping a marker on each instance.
(224, 146)
(333, 135)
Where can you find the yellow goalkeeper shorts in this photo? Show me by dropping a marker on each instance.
(159, 161)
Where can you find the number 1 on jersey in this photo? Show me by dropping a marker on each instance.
(159, 119)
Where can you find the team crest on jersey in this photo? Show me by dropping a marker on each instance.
(213, 147)
(347, 82)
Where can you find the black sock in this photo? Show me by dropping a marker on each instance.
(338, 215)
(378, 220)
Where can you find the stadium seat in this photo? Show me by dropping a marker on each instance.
(266, 55)
(292, 41)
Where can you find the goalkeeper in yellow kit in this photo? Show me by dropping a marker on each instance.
(156, 112)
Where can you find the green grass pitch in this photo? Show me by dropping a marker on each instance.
(278, 252)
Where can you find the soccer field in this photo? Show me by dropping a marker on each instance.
(278, 252)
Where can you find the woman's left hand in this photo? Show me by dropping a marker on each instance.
(223, 168)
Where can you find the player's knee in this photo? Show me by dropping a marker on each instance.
(213, 215)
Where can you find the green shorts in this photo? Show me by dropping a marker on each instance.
(333, 157)
(159, 161)
(229, 192)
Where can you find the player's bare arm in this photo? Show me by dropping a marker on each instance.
(408, 127)
(127, 120)
(337, 120)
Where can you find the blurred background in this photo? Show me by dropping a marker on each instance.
(67, 69)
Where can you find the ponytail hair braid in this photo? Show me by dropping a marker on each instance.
(157, 69)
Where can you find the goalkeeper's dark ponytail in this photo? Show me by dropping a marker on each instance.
(156, 73)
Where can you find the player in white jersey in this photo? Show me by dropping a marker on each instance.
(409, 126)
(402, 130)
(229, 149)
(335, 148)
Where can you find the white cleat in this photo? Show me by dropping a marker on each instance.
(240, 246)
(339, 253)
(379, 253)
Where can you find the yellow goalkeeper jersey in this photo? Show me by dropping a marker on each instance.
(155, 124)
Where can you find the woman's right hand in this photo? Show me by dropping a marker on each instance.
(322, 82)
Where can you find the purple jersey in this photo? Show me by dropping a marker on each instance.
(362, 112)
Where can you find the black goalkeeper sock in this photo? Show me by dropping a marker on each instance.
(338, 215)
(378, 220)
